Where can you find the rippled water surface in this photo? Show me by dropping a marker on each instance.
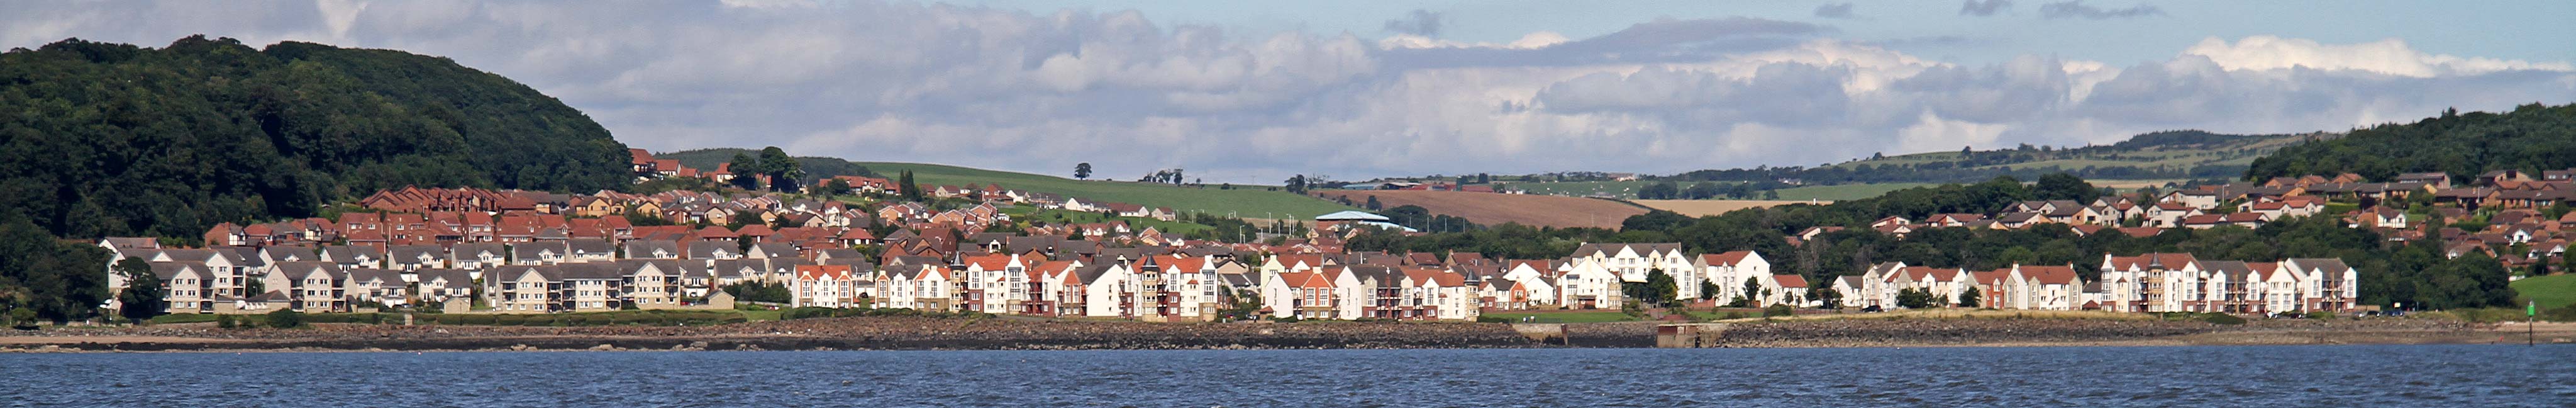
(2340, 376)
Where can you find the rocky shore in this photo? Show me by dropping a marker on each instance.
(856, 333)
(935, 333)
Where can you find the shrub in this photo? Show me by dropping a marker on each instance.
(1778, 310)
(285, 318)
(484, 320)
(225, 321)
(2321, 315)
(1491, 319)
(509, 320)
(540, 320)
(2223, 318)
(1737, 315)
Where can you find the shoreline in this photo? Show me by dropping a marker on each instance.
(975, 334)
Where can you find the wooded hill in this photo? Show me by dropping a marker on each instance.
(103, 139)
(2531, 138)
(2185, 154)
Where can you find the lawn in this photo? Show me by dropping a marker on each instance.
(2552, 291)
(1845, 191)
(1565, 317)
(1061, 216)
(1242, 201)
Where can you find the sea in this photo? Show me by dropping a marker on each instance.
(2265, 376)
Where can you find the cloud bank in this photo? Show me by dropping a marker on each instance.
(1039, 92)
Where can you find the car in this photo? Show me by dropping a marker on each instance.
(1872, 309)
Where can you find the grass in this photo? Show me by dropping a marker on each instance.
(184, 318)
(1845, 191)
(759, 314)
(1243, 201)
(1601, 316)
(2554, 291)
(1054, 216)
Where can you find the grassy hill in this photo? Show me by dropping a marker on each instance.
(2554, 291)
(1242, 201)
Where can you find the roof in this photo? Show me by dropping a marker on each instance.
(1352, 216)
(1790, 281)
(1727, 258)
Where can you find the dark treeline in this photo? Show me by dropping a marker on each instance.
(2416, 275)
(814, 168)
(112, 139)
(2531, 138)
(1972, 165)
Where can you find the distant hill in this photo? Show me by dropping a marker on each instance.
(2185, 154)
(113, 139)
(1242, 201)
(2531, 138)
(1494, 209)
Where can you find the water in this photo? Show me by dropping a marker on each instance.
(2346, 376)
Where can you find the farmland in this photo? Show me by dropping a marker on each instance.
(1491, 208)
(1243, 201)
(1698, 208)
(1844, 191)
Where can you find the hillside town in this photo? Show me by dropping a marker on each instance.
(507, 251)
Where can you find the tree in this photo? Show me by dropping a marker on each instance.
(1373, 205)
(1752, 287)
(782, 169)
(2062, 186)
(836, 187)
(144, 295)
(743, 167)
(1832, 299)
(1972, 298)
(1913, 299)
(1709, 290)
(1082, 171)
(285, 319)
(1660, 287)
(906, 188)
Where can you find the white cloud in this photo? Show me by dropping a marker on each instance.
(1038, 92)
(2389, 56)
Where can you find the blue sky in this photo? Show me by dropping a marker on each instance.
(1256, 91)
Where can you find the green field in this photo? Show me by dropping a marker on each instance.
(1026, 214)
(1844, 192)
(1242, 202)
(1565, 317)
(2552, 291)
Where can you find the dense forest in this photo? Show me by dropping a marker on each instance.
(2414, 274)
(1969, 166)
(2531, 138)
(106, 139)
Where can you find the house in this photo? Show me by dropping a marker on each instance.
(438, 285)
(539, 253)
(2325, 284)
(2150, 283)
(1729, 271)
(520, 289)
(832, 286)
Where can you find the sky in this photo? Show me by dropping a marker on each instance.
(1252, 92)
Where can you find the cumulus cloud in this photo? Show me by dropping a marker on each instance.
(1983, 8)
(1420, 22)
(2077, 9)
(1836, 10)
(2388, 56)
(1039, 91)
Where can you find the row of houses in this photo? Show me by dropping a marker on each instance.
(2149, 283)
